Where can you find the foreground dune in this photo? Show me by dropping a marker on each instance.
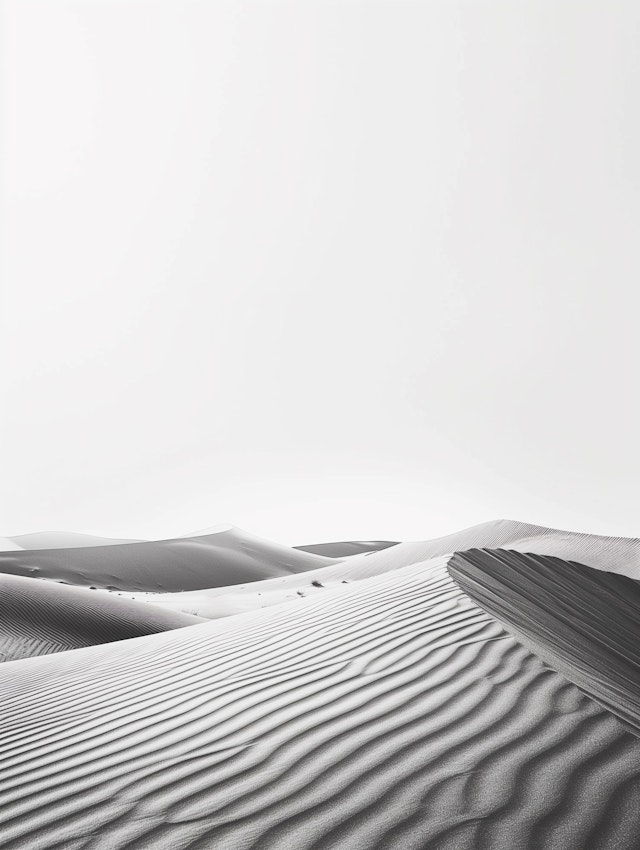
(40, 617)
(390, 712)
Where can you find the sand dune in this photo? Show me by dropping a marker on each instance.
(383, 708)
(226, 558)
(40, 617)
(389, 713)
(346, 548)
(615, 554)
(64, 540)
(584, 622)
(607, 553)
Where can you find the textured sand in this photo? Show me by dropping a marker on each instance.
(393, 713)
(40, 617)
(584, 622)
(390, 711)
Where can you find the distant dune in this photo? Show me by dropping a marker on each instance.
(351, 547)
(426, 696)
(64, 540)
(226, 558)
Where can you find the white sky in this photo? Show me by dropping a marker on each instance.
(324, 270)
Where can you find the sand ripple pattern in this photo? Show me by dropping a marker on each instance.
(389, 713)
(40, 617)
(585, 623)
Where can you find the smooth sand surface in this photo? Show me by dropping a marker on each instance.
(226, 558)
(384, 709)
(41, 617)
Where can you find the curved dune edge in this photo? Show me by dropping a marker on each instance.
(391, 713)
(40, 617)
(584, 622)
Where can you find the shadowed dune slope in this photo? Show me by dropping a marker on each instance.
(227, 558)
(40, 617)
(391, 713)
(585, 623)
(351, 547)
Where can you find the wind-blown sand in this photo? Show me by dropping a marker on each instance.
(390, 711)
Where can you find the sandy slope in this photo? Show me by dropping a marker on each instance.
(620, 555)
(583, 622)
(226, 558)
(39, 617)
(615, 554)
(365, 703)
(388, 713)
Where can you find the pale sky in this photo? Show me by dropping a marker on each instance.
(324, 270)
